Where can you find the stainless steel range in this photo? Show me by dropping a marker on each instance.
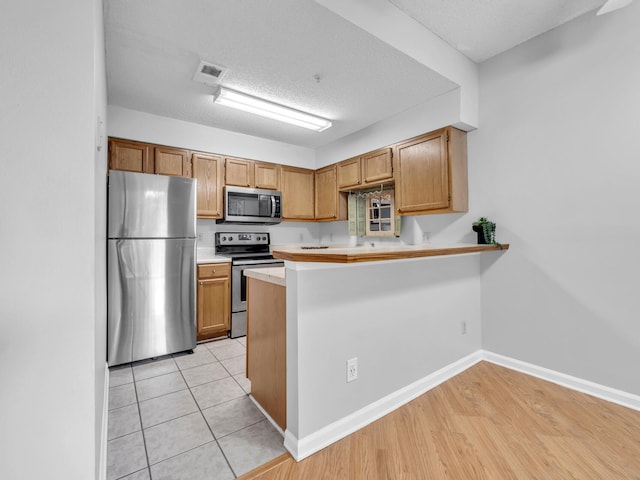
(246, 250)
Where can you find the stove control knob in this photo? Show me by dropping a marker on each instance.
(258, 238)
(224, 238)
(230, 238)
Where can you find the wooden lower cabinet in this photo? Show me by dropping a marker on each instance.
(267, 347)
(214, 300)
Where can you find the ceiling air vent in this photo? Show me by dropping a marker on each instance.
(209, 74)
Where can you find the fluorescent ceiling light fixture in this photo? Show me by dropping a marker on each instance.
(247, 103)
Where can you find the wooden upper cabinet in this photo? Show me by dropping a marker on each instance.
(431, 173)
(267, 175)
(148, 158)
(207, 169)
(366, 170)
(172, 161)
(348, 173)
(327, 195)
(238, 172)
(130, 156)
(297, 186)
(377, 166)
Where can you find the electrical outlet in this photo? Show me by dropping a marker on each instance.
(352, 369)
(201, 237)
(463, 328)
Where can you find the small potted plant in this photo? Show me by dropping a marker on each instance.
(486, 230)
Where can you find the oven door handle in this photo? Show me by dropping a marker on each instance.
(273, 206)
(257, 262)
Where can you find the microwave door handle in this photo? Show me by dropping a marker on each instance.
(273, 206)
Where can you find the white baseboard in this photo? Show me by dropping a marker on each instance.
(609, 394)
(102, 473)
(303, 447)
(266, 414)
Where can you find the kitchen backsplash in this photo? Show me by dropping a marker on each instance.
(416, 230)
(283, 233)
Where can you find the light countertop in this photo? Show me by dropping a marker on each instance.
(209, 256)
(368, 253)
(271, 274)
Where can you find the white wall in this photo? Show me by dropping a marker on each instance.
(100, 244)
(144, 127)
(384, 20)
(556, 164)
(49, 228)
(401, 319)
(436, 113)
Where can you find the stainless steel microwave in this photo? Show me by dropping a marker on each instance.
(251, 206)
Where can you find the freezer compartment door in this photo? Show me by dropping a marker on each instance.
(151, 206)
(151, 298)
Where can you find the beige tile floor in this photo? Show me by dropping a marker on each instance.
(187, 416)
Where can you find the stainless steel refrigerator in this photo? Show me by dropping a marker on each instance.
(151, 266)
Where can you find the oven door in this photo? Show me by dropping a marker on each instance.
(239, 291)
(239, 281)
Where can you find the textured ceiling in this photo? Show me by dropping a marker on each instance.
(481, 29)
(273, 49)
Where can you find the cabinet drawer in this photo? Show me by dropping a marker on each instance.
(213, 270)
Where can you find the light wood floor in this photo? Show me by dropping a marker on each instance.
(489, 423)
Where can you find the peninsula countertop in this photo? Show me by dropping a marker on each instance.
(274, 275)
(368, 253)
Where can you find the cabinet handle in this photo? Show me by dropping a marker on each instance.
(201, 283)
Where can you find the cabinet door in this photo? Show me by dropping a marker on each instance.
(376, 166)
(213, 307)
(348, 173)
(130, 156)
(422, 173)
(207, 169)
(172, 161)
(238, 172)
(297, 193)
(267, 175)
(326, 204)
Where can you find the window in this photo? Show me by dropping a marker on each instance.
(372, 214)
(380, 216)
